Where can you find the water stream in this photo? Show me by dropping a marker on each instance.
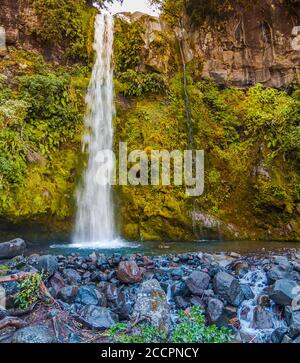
(94, 224)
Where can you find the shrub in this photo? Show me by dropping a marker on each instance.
(29, 291)
(190, 328)
(135, 84)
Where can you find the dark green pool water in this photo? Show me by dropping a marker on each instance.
(39, 242)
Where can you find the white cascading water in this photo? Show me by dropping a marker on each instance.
(257, 280)
(95, 215)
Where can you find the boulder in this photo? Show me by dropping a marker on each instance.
(47, 264)
(89, 295)
(71, 276)
(12, 248)
(278, 334)
(262, 318)
(34, 334)
(96, 317)
(128, 272)
(284, 291)
(151, 304)
(294, 328)
(197, 282)
(215, 309)
(281, 270)
(248, 293)
(57, 282)
(228, 288)
(67, 294)
(120, 301)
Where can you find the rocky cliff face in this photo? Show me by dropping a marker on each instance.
(254, 45)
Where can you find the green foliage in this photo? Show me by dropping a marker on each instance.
(29, 291)
(190, 328)
(145, 333)
(138, 84)
(65, 23)
(128, 44)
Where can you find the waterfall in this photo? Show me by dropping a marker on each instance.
(95, 214)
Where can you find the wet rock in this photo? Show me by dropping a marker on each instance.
(215, 309)
(284, 291)
(197, 282)
(241, 268)
(279, 272)
(181, 302)
(12, 248)
(96, 317)
(262, 318)
(228, 288)
(179, 288)
(151, 304)
(71, 276)
(47, 264)
(128, 272)
(278, 334)
(3, 312)
(263, 300)
(248, 293)
(286, 340)
(68, 293)
(294, 328)
(297, 340)
(34, 334)
(89, 295)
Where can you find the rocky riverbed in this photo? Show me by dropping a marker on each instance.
(256, 296)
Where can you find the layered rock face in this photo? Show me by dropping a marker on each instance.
(17, 18)
(256, 44)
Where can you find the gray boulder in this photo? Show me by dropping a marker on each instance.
(278, 334)
(281, 269)
(284, 291)
(228, 288)
(197, 282)
(215, 309)
(34, 334)
(67, 294)
(262, 318)
(151, 304)
(71, 276)
(294, 328)
(89, 295)
(47, 264)
(12, 248)
(96, 317)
